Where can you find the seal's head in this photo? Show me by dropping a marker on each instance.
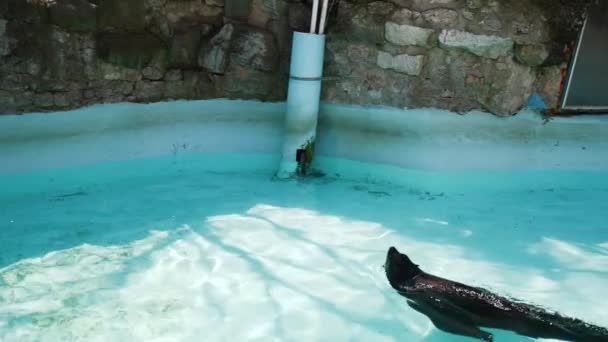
(399, 268)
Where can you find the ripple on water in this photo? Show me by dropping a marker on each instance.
(308, 270)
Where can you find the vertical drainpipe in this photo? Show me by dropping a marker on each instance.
(303, 97)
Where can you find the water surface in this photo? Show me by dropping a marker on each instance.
(166, 250)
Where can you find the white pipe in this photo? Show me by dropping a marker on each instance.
(323, 16)
(315, 13)
(304, 93)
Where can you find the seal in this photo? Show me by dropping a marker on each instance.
(462, 310)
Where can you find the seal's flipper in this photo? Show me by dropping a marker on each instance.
(449, 321)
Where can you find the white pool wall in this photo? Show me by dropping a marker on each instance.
(419, 139)
(125, 131)
(432, 139)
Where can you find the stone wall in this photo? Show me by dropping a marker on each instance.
(454, 54)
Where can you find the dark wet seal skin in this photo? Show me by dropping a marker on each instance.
(462, 310)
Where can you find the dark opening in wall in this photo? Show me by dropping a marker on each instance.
(585, 85)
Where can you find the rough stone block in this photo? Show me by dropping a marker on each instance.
(58, 55)
(149, 90)
(7, 102)
(407, 34)
(248, 83)
(199, 84)
(155, 69)
(5, 48)
(152, 73)
(15, 103)
(548, 85)
(441, 18)
(183, 16)
(44, 100)
(131, 50)
(405, 16)
(175, 90)
(125, 88)
(298, 16)
(113, 72)
(423, 5)
(184, 49)
(411, 65)
(213, 56)
(122, 15)
(67, 99)
(474, 4)
(195, 85)
(531, 55)
(74, 15)
(255, 49)
(174, 75)
(3, 9)
(480, 45)
(502, 88)
(262, 12)
(237, 9)
(366, 23)
(32, 12)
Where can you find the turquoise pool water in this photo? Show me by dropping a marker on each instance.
(171, 249)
